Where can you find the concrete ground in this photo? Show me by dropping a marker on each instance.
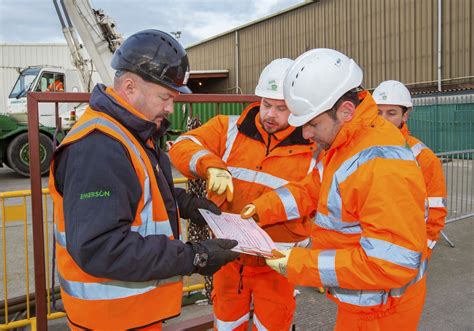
(449, 303)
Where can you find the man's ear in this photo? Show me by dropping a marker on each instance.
(345, 112)
(129, 85)
(406, 115)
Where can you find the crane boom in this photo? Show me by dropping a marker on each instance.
(97, 33)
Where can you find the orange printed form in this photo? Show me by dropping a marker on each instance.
(252, 239)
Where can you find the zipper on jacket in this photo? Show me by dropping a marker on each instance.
(268, 144)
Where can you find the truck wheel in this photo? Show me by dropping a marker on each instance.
(18, 154)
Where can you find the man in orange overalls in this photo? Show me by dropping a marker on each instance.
(394, 102)
(368, 195)
(252, 154)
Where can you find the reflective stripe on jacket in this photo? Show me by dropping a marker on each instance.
(369, 237)
(435, 186)
(116, 304)
(258, 162)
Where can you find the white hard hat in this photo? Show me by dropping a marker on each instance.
(316, 81)
(392, 92)
(270, 83)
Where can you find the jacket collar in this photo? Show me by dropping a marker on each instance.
(404, 130)
(364, 116)
(106, 100)
(249, 124)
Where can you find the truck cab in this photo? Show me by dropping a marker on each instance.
(14, 151)
(43, 79)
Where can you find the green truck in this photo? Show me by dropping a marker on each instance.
(14, 151)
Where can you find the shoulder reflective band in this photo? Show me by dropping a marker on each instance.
(333, 221)
(351, 165)
(232, 131)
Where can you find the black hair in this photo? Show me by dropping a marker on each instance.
(351, 96)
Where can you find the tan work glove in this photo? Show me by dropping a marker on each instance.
(248, 211)
(220, 181)
(279, 263)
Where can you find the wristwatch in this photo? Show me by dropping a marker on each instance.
(200, 260)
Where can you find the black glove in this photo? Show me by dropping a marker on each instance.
(210, 255)
(189, 204)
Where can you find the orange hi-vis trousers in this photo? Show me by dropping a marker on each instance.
(237, 286)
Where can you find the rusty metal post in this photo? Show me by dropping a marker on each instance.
(58, 124)
(37, 212)
(222, 98)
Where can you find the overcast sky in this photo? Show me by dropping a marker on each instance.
(36, 20)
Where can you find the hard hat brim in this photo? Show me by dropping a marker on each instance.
(300, 120)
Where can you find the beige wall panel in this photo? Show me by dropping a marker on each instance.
(457, 38)
(392, 39)
(407, 41)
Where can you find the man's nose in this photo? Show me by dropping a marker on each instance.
(169, 106)
(307, 132)
(271, 112)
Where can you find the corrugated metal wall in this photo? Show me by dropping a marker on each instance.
(23, 55)
(218, 54)
(390, 39)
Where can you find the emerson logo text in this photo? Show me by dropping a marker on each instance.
(95, 194)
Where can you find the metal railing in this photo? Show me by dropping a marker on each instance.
(458, 168)
(15, 214)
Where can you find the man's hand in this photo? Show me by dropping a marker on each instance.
(189, 204)
(279, 263)
(220, 181)
(210, 255)
(248, 211)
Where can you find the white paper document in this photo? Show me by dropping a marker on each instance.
(252, 239)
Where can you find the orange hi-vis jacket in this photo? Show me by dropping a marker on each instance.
(368, 192)
(56, 86)
(258, 162)
(435, 186)
(99, 303)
